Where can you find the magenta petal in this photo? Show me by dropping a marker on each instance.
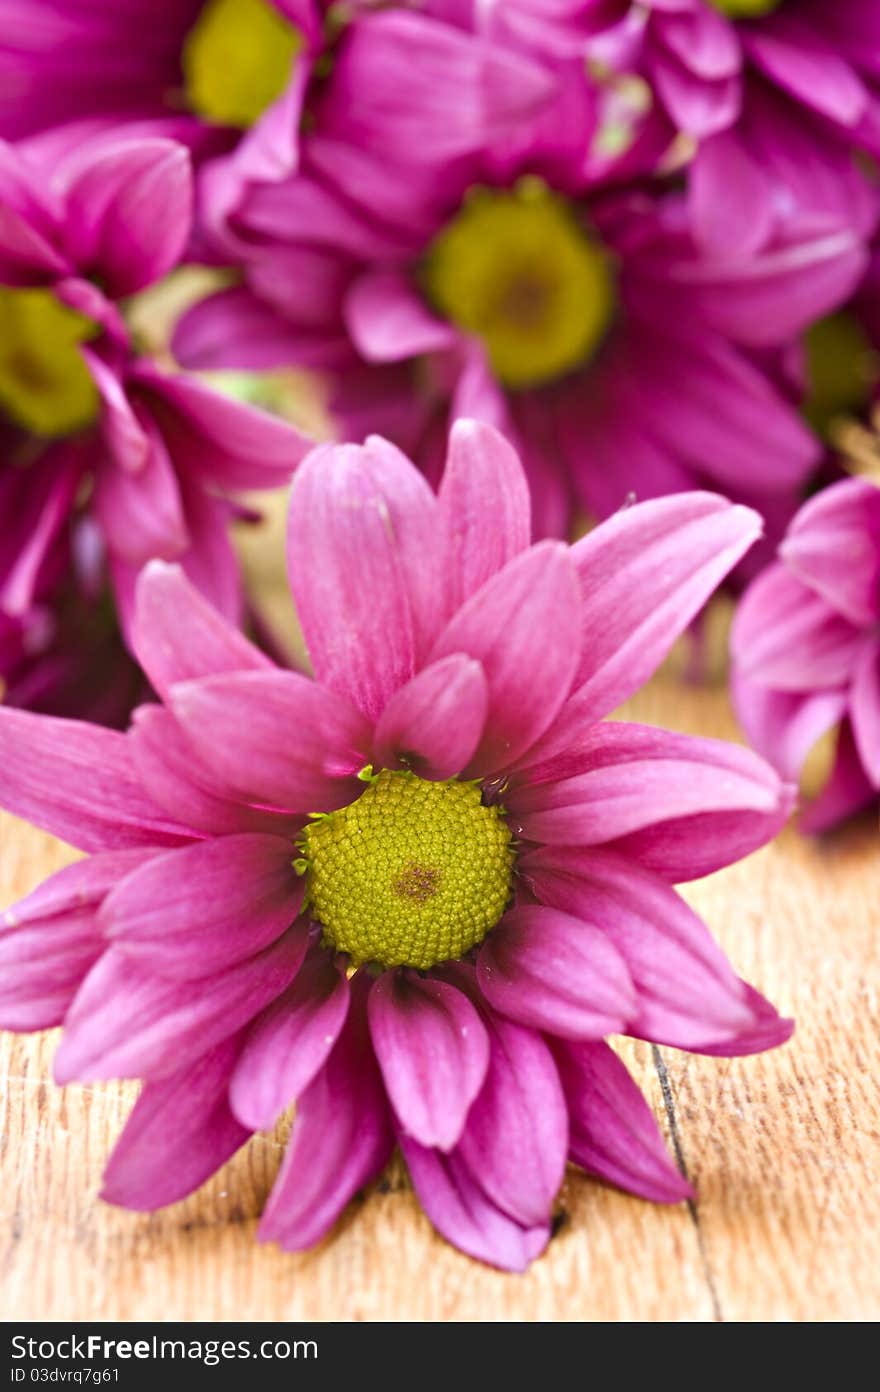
(409, 86)
(180, 1131)
(172, 775)
(367, 610)
(229, 443)
(843, 520)
(465, 1215)
(523, 628)
(275, 737)
(50, 940)
(556, 973)
(434, 723)
(613, 1131)
(178, 635)
(129, 213)
(78, 782)
(689, 995)
(813, 74)
(289, 1043)
(645, 573)
(865, 710)
(433, 1051)
(341, 1139)
(142, 513)
(127, 1023)
(192, 912)
(787, 637)
(484, 507)
(516, 1134)
(848, 790)
(125, 436)
(769, 1029)
(389, 322)
(784, 725)
(682, 806)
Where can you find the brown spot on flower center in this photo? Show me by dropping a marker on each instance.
(417, 882)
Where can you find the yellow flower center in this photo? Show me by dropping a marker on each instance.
(517, 268)
(843, 369)
(237, 59)
(745, 9)
(411, 874)
(45, 386)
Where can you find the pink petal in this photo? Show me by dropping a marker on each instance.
(231, 444)
(341, 1139)
(193, 912)
(679, 805)
(522, 627)
(613, 1131)
(234, 329)
(78, 782)
(435, 722)
(289, 1044)
(484, 509)
(784, 725)
(210, 562)
(142, 514)
(433, 1051)
(274, 737)
(731, 198)
(461, 1210)
(689, 995)
(389, 322)
(127, 1023)
(785, 636)
(865, 710)
(50, 940)
(180, 1132)
(172, 775)
(125, 435)
(556, 973)
(811, 72)
(848, 790)
(843, 520)
(645, 573)
(407, 85)
(178, 635)
(516, 1134)
(129, 213)
(367, 611)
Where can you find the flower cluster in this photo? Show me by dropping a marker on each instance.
(549, 263)
(414, 892)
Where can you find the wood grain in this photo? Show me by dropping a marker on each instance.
(783, 1149)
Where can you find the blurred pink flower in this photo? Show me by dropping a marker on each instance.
(87, 423)
(580, 318)
(779, 94)
(806, 650)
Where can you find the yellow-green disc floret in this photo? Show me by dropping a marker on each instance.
(411, 874)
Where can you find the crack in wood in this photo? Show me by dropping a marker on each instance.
(678, 1151)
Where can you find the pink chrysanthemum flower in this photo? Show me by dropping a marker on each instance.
(582, 320)
(233, 79)
(778, 93)
(807, 653)
(415, 892)
(88, 424)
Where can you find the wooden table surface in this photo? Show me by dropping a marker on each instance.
(783, 1149)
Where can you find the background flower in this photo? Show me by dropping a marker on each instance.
(583, 322)
(805, 649)
(438, 955)
(88, 423)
